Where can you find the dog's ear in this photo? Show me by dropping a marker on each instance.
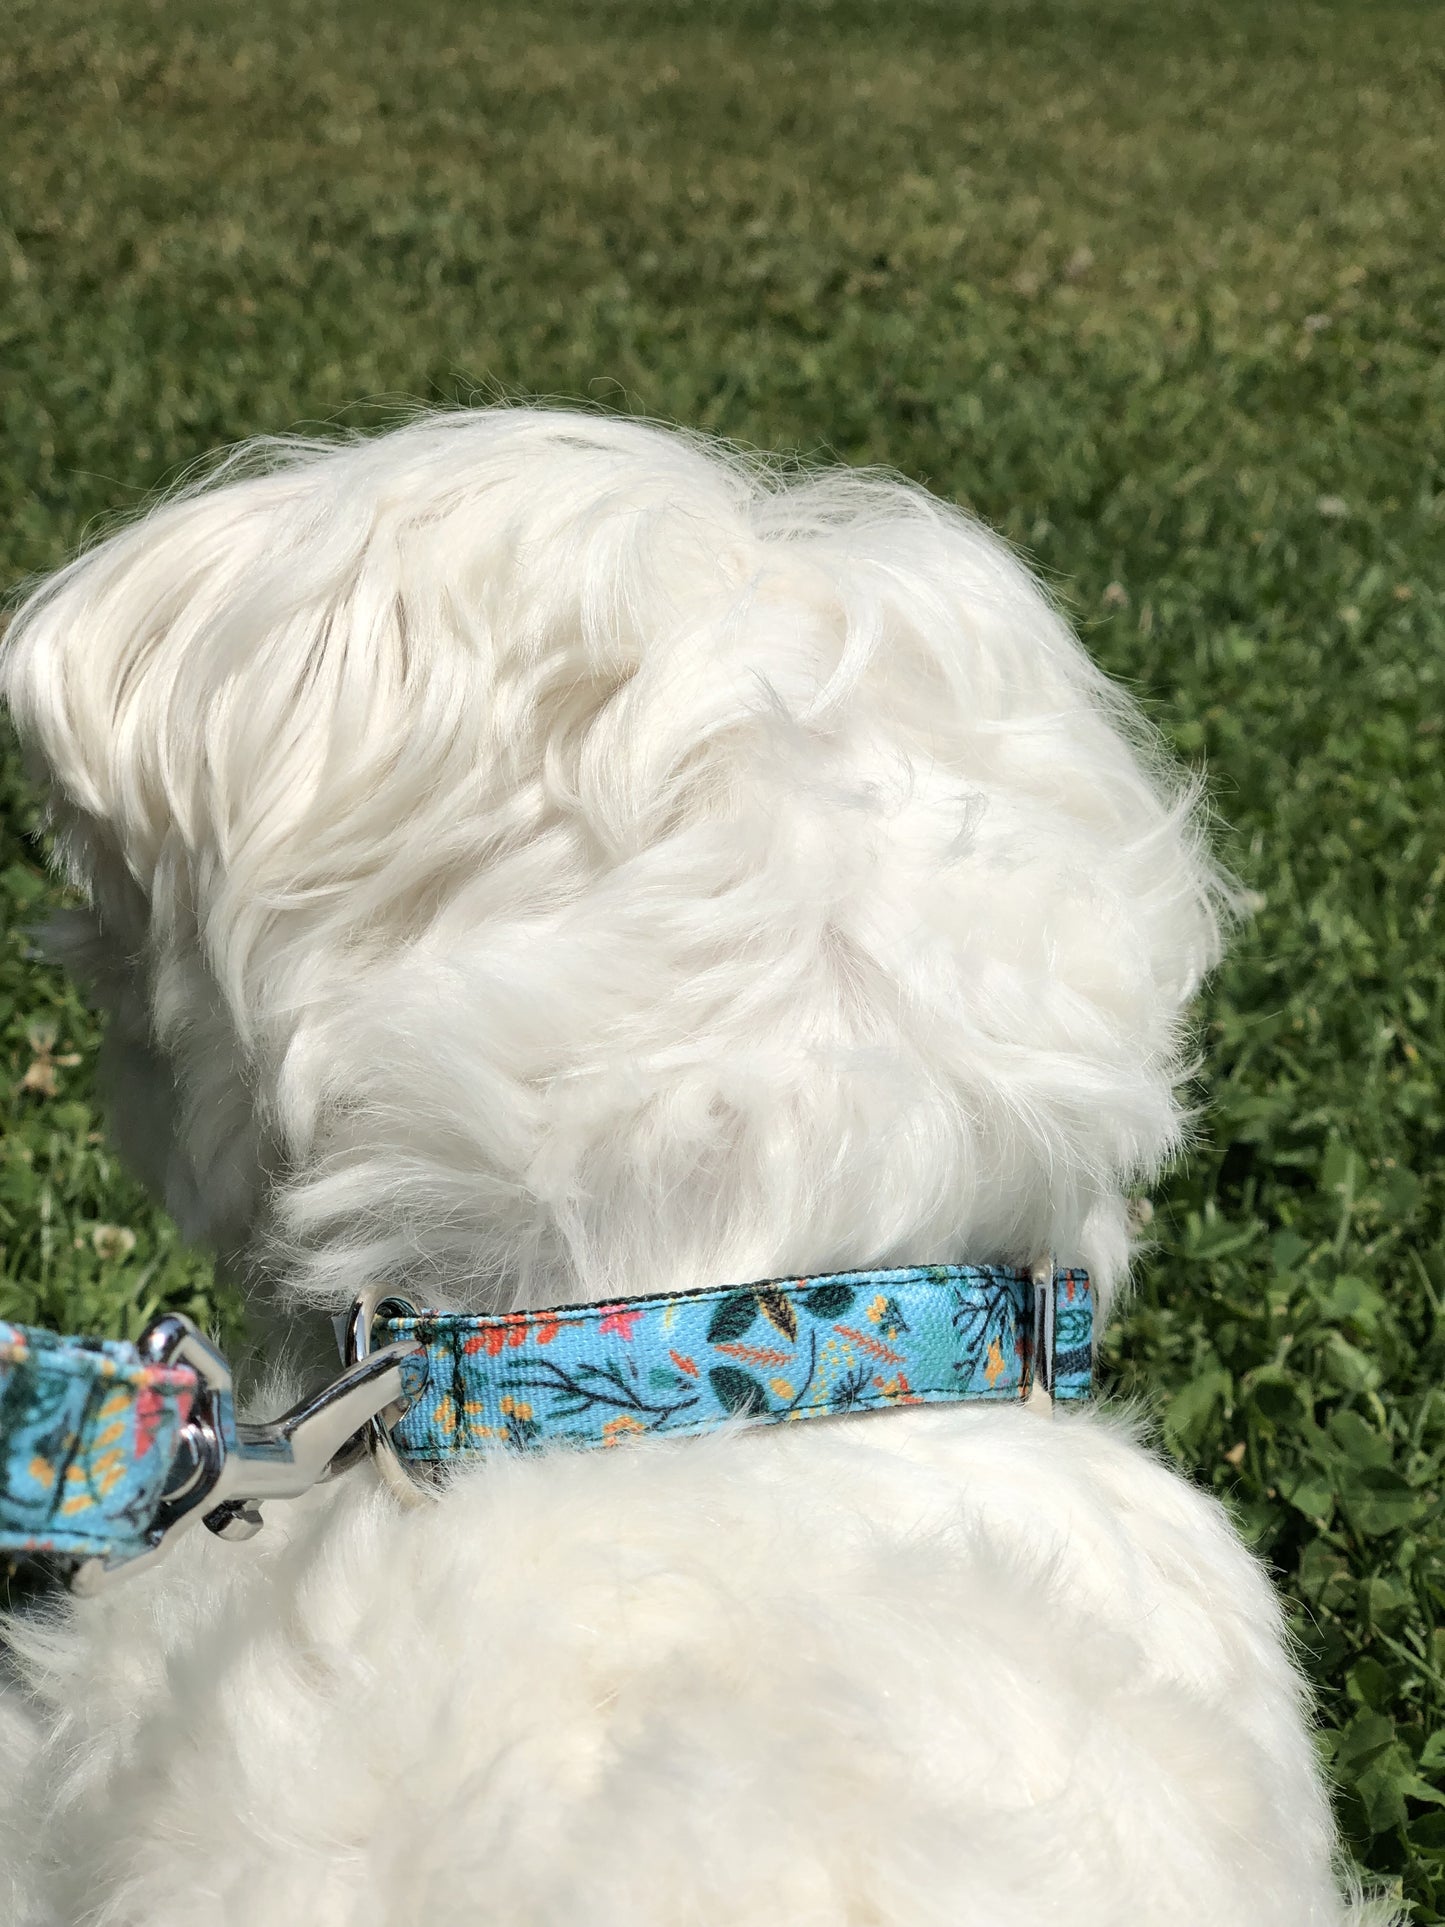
(212, 698)
(198, 695)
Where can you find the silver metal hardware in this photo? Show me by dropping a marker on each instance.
(224, 1470)
(1041, 1358)
(376, 1303)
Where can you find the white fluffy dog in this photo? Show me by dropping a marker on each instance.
(537, 859)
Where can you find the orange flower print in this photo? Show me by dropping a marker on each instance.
(618, 1321)
(508, 1329)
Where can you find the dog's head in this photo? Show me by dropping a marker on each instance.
(538, 857)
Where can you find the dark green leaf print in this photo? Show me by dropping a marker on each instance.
(739, 1391)
(851, 1391)
(732, 1317)
(829, 1301)
(779, 1312)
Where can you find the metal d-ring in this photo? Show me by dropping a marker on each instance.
(374, 1303)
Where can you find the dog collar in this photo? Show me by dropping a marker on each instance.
(108, 1451)
(778, 1351)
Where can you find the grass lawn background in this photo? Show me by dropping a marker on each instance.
(1158, 290)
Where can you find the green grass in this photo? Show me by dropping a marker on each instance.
(1158, 290)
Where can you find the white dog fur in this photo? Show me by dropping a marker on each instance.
(536, 858)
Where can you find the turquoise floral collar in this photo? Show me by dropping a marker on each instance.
(108, 1451)
(784, 1349)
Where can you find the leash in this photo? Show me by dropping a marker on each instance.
(109, 1452)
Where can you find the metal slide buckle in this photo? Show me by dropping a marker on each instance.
(224, 1470)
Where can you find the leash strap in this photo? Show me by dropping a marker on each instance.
(780, 1350)
(88, 1434)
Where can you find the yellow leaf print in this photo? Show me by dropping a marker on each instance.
(994, 1364)
(108, 1477)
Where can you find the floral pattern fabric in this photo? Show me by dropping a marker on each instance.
(88, 1434)
(780, 1350)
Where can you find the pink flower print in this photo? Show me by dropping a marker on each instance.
(618, 1321)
